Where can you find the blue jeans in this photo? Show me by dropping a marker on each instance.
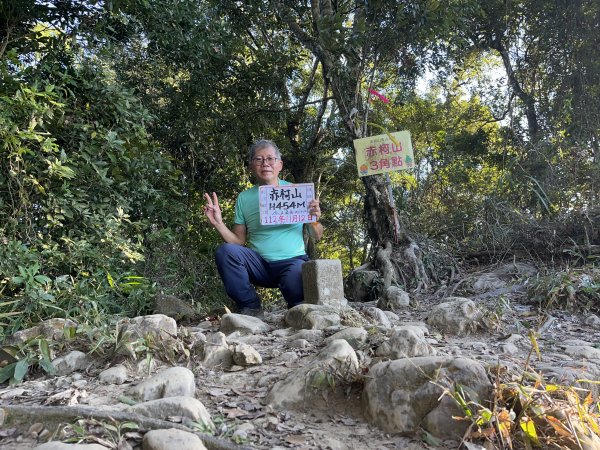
(241, 268)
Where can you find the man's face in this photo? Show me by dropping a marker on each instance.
(264, 172)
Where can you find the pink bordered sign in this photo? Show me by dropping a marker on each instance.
(286, 204)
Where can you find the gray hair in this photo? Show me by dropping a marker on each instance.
(260, 144)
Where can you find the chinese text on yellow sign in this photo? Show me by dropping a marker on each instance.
(380, 154)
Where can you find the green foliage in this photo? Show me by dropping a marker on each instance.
(32, 355)
(572, 288)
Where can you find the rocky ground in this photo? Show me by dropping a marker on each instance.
(313, 379)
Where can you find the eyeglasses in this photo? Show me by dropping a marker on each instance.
(259, 160)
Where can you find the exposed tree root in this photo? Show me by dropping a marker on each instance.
(53, 416)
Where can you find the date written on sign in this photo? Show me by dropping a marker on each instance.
(286, 204)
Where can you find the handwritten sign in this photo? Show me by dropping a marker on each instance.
(286, 204)
(380, 154)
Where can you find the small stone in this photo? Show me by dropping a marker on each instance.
(80, 384)
(312, 336)
(175, 406)
(71, 362)
(171, 306)
(57, 445)
(52, 329)
(154, 325)
(513, 338)
(299, 343)
(170, 439)
(509, 349)
(114, 375)
(378, 316)
(36, 428)
(593, 320)
(289, 356)
(172, 382)
(394, 298)
(216, 351)
(355, 336)
(312, 317)
(246, 355)
(282, 332)
(242, 323)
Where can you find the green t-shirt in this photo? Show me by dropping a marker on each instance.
(272, 242)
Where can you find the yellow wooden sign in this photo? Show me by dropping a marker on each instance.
(384, 153)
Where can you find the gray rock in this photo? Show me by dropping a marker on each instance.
(392, 316)
(509, 349)
(312, 336)
(172, 382)
(488, 282)
(57, 445)
(216, 351)
(175, 406)
(592, 320)
(337, 359)
(360, 285)
(245, 355)
(458, 316)
(241, 432)
(513, 338)
(315, 317)
(171, 439)
(378, 316)
(243, 324)
(283, 332)
(156, 326)
(355, 336)
(52, 329)
(71, 362)
(405, 342)
(394, 298)
(582, 374)
(114, 375)
(173, 307)
(299, 344)
(583, 352)
(405, 394)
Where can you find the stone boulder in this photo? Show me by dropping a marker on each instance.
(244, 324)
(361, 285)
(163, 408)
(337, 359)
(217, 352)
(458, 316)
(355, 336)
(172, 382)
(113, 375)
(245, 355)
(170, 439)
(502, 276)
(312, 317)
(404, 395)
(171, 306)
(157, 326)
(406, 341)
(71, 362)
(58, 445)
(51, 329)
(378, 316)
(394, 298)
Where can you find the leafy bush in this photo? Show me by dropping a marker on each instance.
(575, 289)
